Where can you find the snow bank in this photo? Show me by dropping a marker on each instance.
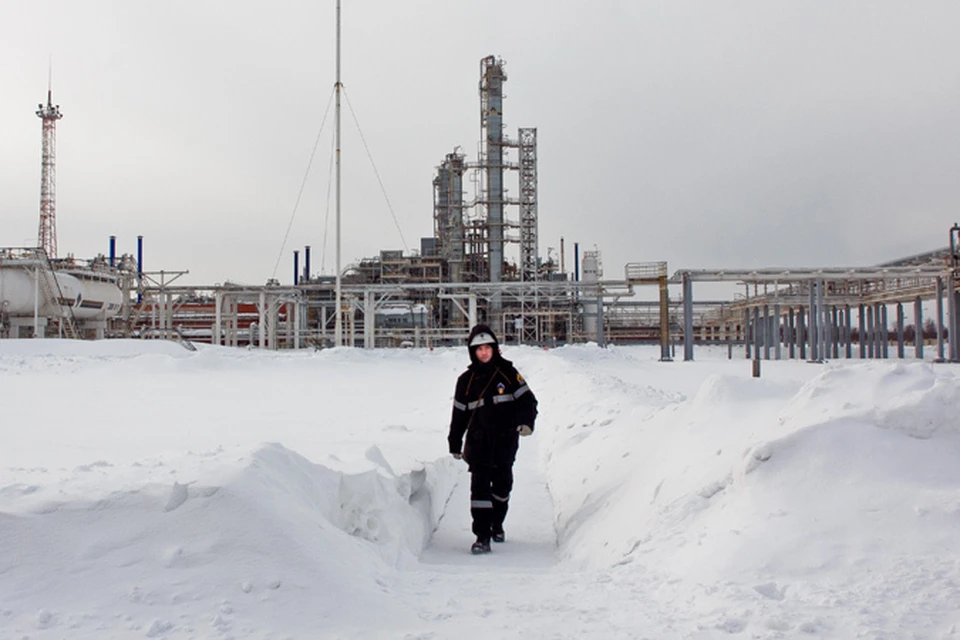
(149, 491)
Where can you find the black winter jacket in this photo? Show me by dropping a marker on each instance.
(490, 402)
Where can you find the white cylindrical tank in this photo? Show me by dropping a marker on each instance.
(17, 292)
(89, 295)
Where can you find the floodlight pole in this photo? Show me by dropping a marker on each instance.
(338, 323)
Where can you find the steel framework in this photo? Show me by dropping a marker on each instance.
(527, 140)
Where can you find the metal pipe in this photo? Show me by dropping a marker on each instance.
(296, 268)
(306, 262)
(338, 296)
(576, 262)
(113, 251)
(563, 269)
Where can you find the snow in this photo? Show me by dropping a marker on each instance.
(151, 492)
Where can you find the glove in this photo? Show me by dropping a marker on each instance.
(457, 456)
(524, 430)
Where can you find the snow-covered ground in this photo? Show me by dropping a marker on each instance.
(151, 492)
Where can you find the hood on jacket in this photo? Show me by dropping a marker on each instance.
(482, 334)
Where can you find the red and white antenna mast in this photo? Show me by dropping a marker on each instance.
(47, 237)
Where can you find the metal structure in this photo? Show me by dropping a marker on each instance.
(47, 235)
(470, 236)
(492, 77)
(811, 311)
(529, 256)
(448, 220)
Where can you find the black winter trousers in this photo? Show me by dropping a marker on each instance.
(489, 498)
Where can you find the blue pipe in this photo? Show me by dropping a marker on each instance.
(306, 263)
(113, 251)
(576, 262)
(296, 268)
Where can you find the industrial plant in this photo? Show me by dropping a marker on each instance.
(482, 263)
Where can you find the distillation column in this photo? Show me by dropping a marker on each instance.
(492, 77)
(448, 212)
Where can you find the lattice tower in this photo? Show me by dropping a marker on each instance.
(47, 236)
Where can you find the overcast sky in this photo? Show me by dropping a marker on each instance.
(707, 134)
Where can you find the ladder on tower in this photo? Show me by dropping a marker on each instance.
(53, 293)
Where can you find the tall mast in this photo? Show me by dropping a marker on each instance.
(338, 326)
(47, 235)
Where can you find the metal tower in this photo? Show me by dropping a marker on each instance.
(47, 236)
(492, 77)
(448, 213)
(528, 204)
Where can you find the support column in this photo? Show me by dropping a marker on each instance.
(472, 310)
(369, 321)
(778, 334)
(757, 333)
(747, 335)
(766, 332)
(297, 323)
(955, 323)
(814, 329)
(863, 331)
(261, 321)
(687, 318)
(901, 350)
(954, 334)
(872, 331)
(939, 319)
(791, 334)
(218, 316)
(848, 321)
(884, 333)
(918, 334)
(835, 331)
(802, 334)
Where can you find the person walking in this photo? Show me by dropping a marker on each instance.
(493, 406)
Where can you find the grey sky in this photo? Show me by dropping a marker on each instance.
(707, 134)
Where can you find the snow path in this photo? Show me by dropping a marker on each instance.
(509, 592)
(531, 541)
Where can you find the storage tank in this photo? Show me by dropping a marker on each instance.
(89, 294)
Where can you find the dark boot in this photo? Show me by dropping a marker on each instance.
(482, 545)
(497, 536)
